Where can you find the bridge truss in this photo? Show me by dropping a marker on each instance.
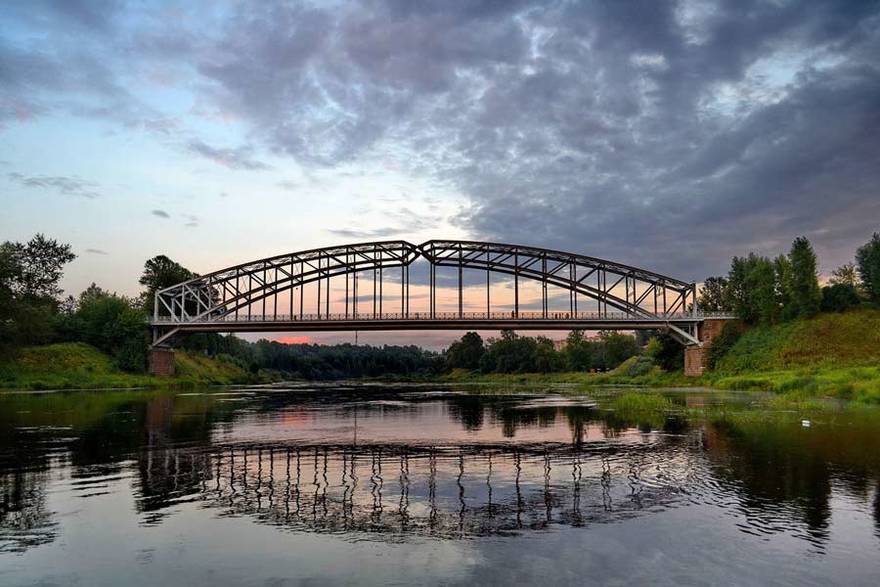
(372, 291)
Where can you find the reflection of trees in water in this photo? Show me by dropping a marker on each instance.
(397, 491)
(25, 520)
(779, 481)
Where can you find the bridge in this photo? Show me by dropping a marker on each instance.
(367, 287)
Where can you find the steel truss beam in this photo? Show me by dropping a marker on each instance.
(221, 297)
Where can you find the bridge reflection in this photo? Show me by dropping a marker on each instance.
(442, 492)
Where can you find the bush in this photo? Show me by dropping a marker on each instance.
(839, 297)
(725, 340)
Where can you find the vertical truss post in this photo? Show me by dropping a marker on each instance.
(250, 289)
(664, 299)
(544, 286)
(354, 278)
(402, 290)
(264, 285)
(694, 297)
(347, 265)
(381, 282)
(374, 290)
(407, 291)
(291, 288)
(460, 292)
(488, 289)
(327, 291)
(275, 298)
(516, 285)
(319, 288)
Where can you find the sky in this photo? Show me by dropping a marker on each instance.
(669, 136)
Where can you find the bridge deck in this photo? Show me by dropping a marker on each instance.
(439, 321)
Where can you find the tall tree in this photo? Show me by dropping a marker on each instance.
(806, 296)
(465, 353)
(846, 274)
(868, 261)
(161, 272)
(714, 296)
(784, 285)
(35, 268)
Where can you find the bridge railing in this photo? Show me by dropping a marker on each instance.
(445, 316)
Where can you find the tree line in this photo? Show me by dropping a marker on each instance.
(761, 290)
(757, 289)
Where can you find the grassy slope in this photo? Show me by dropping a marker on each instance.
(831, 354)
(835, 355)
(78, 365)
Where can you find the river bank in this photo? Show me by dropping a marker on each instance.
(81, 366)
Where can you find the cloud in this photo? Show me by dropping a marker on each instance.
(67, 185)
(375, 233)
(191, 220)
(666, 135)
(160, 214)
(96, 252)
(238, 158)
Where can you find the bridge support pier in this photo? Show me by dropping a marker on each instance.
(696, 358)
(161, 361)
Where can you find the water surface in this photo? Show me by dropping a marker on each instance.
(427, 485)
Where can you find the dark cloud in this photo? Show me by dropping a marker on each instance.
(96, 252)
(668, 135)
(69, 186)
(238, 158)
(160, 214)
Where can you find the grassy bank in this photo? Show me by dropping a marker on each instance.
(78, 365)
(831, 355)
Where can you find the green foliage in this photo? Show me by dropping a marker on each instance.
(805, 295)
(635, 366)
(666, 352)
(839, 297)
(838, 340)
(79, 365)
(725, 340)
(868, 262)
(846, 274)
(465, 353)
(111, 323)
(713, 295)
(161, 272)
(613, 349)
(752, 289)
(578, 351)
(29, 277)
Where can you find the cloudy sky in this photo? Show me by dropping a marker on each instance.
(665, 135)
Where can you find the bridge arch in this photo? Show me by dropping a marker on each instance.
(227, 299)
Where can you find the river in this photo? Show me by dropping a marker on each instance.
(424, 484)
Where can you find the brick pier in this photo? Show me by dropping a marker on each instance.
(162, 362)
(696, 358)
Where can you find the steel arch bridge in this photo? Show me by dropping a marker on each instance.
(270, 294)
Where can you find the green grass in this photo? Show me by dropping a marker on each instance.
(81, 366)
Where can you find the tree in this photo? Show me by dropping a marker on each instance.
(806, 296)
(784, 285)
(615, 348)
(839, 297)
(161, 272)
(578, 351)
(37, 266)
(868, 262)
(29, 285)
(465, 353)
(846, 274)
(667, 352)
(714, 296)
(112, 323)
